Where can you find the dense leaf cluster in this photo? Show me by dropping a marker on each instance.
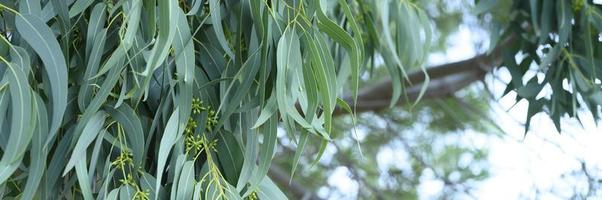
(152, 99)
(559, 41)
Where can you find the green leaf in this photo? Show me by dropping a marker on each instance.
(343, 104)
(186, 182)
(266, 152)
(126, 192)
(266, 113)
(230, 156)
(133, 17)
(79, 6)
(61, 9)
(32, 7)
(304, 136)
(147, 183)
(198, 187)
(149, 26)
(6, 170)
(216, 22)
(268, 190)
(546, 20)
(311, 93)
(172, 132)
(113, 194)
(164, 40)
(37, 153)
(99, 99)
(90, 132)
(97, 22)
(177, 169)
(185, 64)
(196, 4)
(83, 179)
(321, 151)
(323, 74)
(85, 93)
(4, 102)
(249, 165)
(535, 107)
(231, 100)
(127, 117)
(39, 36)
(59, 157)
(392, 61)
(534, 7)
(22, 120)
(288, 59)
(358, 52)
(21, 58)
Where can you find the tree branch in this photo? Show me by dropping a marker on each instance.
(445, 80)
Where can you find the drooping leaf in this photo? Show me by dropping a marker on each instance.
(40, 37)
(166, 11)
(22, 119)
(37, 153)
(172, 132)
(126, 116)
(90, 132)
(186, 182)
(216, 21)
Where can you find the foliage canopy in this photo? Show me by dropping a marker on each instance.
(157, 99)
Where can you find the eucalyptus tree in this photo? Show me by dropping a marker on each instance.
(158, 99)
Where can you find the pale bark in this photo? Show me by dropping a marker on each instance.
(445, 80)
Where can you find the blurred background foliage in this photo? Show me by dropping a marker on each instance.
(438, 139)
(400, 149)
